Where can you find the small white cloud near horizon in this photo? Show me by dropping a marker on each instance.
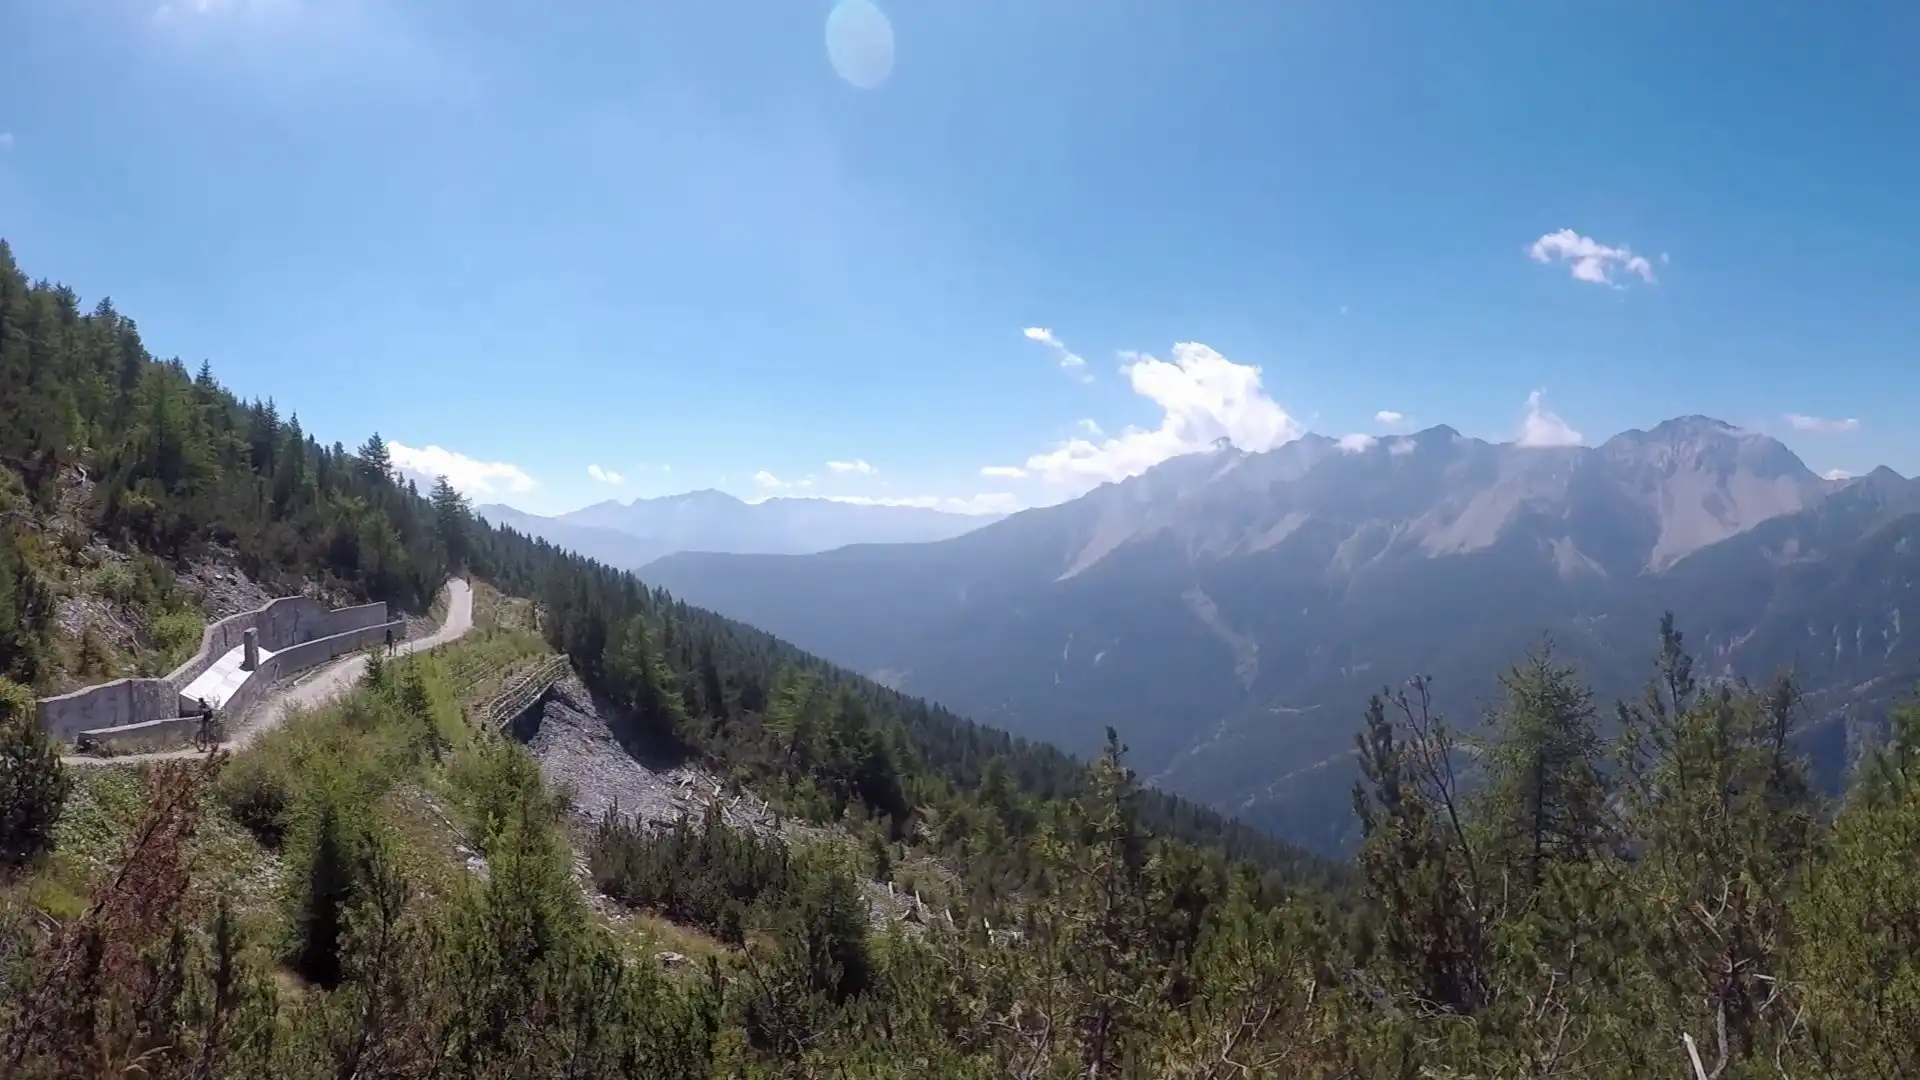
(1006, 472)
(767, 480)
(1356, 444)
(1820, 425)
(1540, 427)
(1204, 398)
(1070, 362)
(1589, 260)
(1391, 420)
(605, 476)
(857, 465)
(1838, 474)
(469, 476)
(991, 502)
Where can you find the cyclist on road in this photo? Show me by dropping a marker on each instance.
(208, 735)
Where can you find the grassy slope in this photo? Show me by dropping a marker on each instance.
(429, 806)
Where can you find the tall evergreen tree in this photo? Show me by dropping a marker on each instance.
(33, 784)
(1544, 797)
(453, 523)
(376, 461)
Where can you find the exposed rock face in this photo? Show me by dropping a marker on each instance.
(581, 751)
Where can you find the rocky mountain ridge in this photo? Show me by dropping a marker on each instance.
(1230, 611)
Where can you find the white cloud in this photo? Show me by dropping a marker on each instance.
(1357, 444)
(213, 8)
(605, 476)
(1070, 361)
(767, 480)
(467, 475)
(1542, 427)
(1089, 427)
(1402, 447)
(992, 502)
(855, 466)
(1008, 472)
(1838, 474)
(1392, 421)
(1589, 260)
(1204, 397)
(1820, 425)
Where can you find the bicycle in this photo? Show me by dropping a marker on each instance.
(207, 738)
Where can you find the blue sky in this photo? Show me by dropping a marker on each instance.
(675, 242)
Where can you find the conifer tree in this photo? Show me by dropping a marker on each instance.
(33, 784)
(453, 523)
(376, 462)
(1544, 799)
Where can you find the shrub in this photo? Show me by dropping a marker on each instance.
(257, 793)
(33, 783)
(331, 846)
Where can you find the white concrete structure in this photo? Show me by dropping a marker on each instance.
(223, 679)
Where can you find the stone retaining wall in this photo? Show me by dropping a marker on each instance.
(113, 704)
(297, 625)
(160, 733)
(145, 736)
(285, 622)
(295, 659)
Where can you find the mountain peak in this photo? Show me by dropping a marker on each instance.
(1694, 425)
(710, 496)
(1882, 483)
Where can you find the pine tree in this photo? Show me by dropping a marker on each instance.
(1721, 815)
(453, 523)
(1107, 936)
(1544, 799)
(376, 462)
(333, 844)
(33, 783)
(23, 614)
(1419, 877)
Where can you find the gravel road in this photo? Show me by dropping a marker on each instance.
(318, 686)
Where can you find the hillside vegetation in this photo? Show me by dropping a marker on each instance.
(175, 468)
(295, 912)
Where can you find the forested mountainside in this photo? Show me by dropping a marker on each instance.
(1587, 911)
(1225, 609)
(172, 464)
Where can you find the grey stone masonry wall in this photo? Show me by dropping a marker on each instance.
(149, 732)
(292, 624)
(123, 701)
(289, 620)
(295, 659)
(147, 735)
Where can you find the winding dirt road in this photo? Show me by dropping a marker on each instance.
(316, 687)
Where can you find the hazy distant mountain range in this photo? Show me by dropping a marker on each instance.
(1229, 612)
(633, 534)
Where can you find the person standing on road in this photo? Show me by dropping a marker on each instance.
(207, 738)
(390, 644)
